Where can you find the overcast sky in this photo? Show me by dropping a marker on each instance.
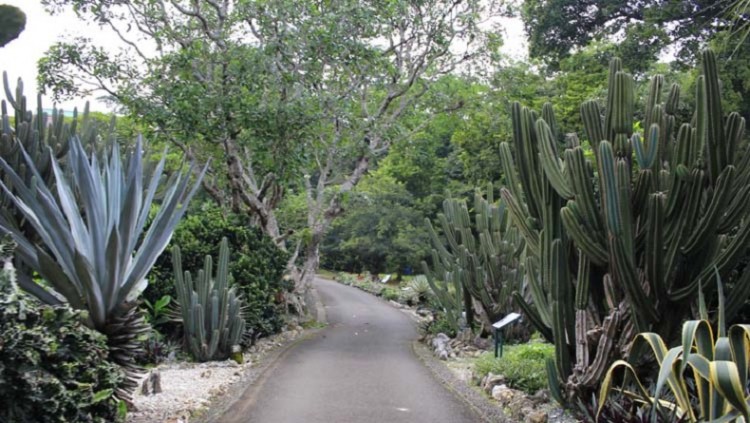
(19, 57)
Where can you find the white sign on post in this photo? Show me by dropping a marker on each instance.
(505, 321)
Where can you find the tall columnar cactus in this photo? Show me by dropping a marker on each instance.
(625, 242)
(481, 257)
(37, 132)
(211, 309)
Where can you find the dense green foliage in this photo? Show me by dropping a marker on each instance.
(52, 367)
(256, 264)
(381, 232)
(557, 27)
(523, 365)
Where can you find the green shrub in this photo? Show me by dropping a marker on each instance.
(390, 294)
(523, 365)
(346, 278)
(441, 324)
(256, 264)
(52, 367)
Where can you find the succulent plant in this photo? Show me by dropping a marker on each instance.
(481, 257)
(715, 363)
(622, 242)
(94, 249)
(211, 309)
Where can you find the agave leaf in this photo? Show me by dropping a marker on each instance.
(726, 379)
(739, 338)
(606, 385)
(160, 232)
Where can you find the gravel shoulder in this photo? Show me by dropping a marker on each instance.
(195, 392)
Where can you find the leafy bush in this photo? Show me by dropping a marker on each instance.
(346, 278)
(256, 264)
(390, 294)
(441, 324)
(522, 365)
(52, 367)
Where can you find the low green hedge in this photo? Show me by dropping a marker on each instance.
(523, 365)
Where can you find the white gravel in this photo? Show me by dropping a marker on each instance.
(188, 389)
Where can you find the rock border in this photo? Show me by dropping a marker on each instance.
(481, 404)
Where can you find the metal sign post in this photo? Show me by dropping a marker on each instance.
(498, 326)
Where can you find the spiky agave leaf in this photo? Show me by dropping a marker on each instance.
(89, 224)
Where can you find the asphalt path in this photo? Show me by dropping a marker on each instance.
(360, 369)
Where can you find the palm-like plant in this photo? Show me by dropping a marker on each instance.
(90, 222)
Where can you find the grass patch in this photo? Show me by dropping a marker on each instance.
(313, 324)
(327, 274)
(523, 365)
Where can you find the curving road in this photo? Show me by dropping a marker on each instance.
(360, 369)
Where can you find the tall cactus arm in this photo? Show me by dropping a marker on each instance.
(654, 249)
(717, 145)
(521, 220)
(615, 66)
(708, 224)
(653, 101)
(592, 124)
(585, 237)
(529, 171)
(551, 161)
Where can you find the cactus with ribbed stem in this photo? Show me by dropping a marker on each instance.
(622, 248)
(481, 257)
(37, 132)
(211, 309)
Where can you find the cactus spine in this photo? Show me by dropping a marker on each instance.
(211, 309)
(623, 249)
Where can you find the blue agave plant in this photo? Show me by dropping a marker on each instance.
(89, 221)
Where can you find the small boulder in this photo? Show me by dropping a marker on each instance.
(536, 416)
(492, 380)
(503, 394)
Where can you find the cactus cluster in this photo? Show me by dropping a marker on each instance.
(211, 309)
(479, 259)
(37, 133)
(623, 243)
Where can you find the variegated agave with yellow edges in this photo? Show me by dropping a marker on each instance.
(715, 368)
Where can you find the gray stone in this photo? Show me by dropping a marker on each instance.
(492, 380)
(503, 394)
(536, 416)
